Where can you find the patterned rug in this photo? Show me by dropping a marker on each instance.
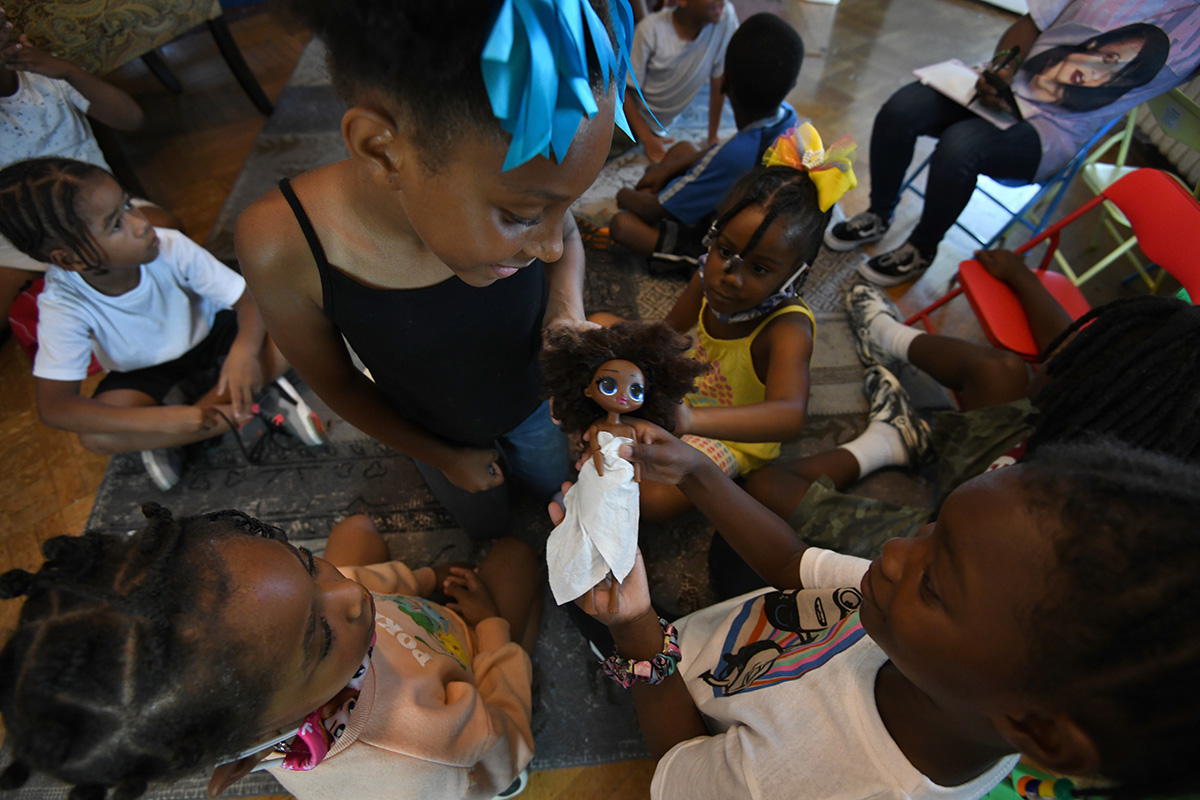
(580, 717)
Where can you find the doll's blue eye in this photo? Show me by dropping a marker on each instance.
(607, 386)
(637, 392)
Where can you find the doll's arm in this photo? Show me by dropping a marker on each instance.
(787, 348)
(597, 456)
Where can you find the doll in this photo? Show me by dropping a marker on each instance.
(631, 369)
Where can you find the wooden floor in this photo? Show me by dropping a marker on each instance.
(194, 144)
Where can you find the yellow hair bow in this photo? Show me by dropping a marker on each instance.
(830, 169)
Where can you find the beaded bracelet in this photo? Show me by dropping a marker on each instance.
(627, 672)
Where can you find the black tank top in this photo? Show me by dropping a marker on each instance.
(458, 360)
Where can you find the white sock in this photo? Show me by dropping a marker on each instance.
(892, 336)
(878, 446)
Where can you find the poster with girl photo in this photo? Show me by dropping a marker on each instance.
(1096, 60)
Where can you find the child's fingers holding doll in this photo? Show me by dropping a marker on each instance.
(663, 457)
(472, 600)
(616, 603)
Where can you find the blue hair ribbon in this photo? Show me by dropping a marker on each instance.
(536, 74)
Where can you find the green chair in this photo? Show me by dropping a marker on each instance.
(1179, 117)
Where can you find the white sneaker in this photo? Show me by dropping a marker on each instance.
(282, 406)
(517, 786)
(164, 466)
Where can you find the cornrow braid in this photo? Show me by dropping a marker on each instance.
(1131, 371)
(120, 671)
(39, 201)
(1117, 635)
(785, 194)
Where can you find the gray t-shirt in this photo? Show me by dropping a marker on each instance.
(670, 70)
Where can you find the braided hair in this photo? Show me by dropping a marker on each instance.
(424, 55)
(120, 671)
(784, 194)
(39, 207)
(1132, 371)
(1117, 635)
(570, 360)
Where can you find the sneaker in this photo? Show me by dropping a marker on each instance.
(905, 263)
(864, 302)
(164, 466)
(517, 786)
(891, 405)
(859, 229)
(281, 405)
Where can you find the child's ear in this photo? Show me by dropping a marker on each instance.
(1052, 739)
(372, 134)
(67, 259)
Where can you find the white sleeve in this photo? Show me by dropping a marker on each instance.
(640, 50)
(825, 569)
(705, 767)
(203, 273)
(64, 343)
(730, 21)
(72, 95)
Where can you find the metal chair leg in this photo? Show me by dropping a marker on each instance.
(155, 63)
(233, 57)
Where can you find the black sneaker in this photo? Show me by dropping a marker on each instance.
(905, 263)
(165, 466)
(859, 229)
(891, 405)
(864, 303)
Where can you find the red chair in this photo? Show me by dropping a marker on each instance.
(1164, 217)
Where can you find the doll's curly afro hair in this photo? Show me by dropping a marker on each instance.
(570, 360)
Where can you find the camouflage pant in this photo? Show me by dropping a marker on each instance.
(966, 442)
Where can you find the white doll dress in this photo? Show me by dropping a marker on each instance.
(599, 533)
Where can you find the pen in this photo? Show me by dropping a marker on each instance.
(1009, 55)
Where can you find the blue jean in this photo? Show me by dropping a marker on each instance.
(968, 146)
(534, 453)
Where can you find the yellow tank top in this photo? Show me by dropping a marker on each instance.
(732, 380)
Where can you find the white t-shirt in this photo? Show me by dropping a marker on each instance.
(169, 312)
(44, 117)
(817, 732)
(1153, 45)
(671, 70)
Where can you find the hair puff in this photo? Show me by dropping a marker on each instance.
(570, 359)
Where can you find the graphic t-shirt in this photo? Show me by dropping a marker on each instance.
(1096, 59)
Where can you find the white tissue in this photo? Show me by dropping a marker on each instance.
(598, 535)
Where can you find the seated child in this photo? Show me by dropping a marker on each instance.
(444, 245)
(45, 103)
(675, 50)
(211, 640)
(1049, 611)
(149, 302)
(1121, 371)
(666, 213)
(752, 327)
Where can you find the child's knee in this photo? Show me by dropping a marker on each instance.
(662, 502)
(517, 558)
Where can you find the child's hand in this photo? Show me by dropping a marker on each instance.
(663, 457)
(442, 571)
(616, 603)
(474, 470)
(471, 598)
(189, 419)
(25, 56)
(656, 147)
(1004, 265)
(241, 380)
(654, 180)
(683, 419)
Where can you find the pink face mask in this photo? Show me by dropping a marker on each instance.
(323, 727)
